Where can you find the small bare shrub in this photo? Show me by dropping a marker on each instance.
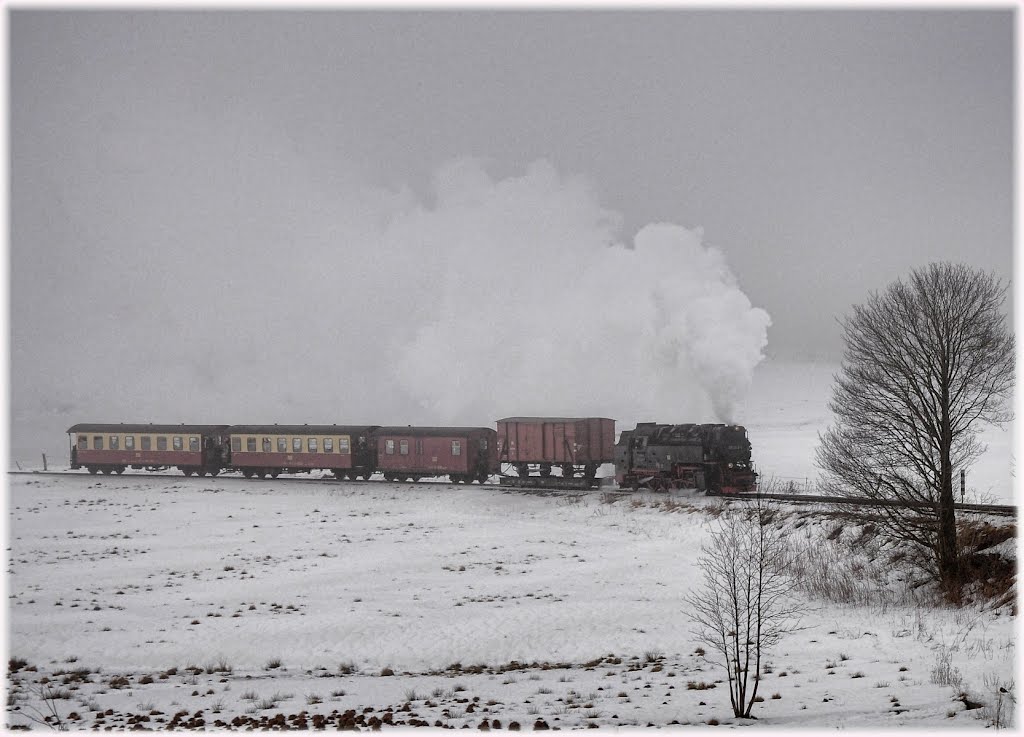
(944, 673)
(16, 664)
(219, 666)
(698, 686)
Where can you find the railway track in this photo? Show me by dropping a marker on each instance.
(998, 509)
(1001, 509)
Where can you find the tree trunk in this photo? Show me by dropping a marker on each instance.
(946, 547)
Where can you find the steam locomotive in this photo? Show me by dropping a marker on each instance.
(711, 458)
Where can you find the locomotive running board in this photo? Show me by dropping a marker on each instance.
(546, 482)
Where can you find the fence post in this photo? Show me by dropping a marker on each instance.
(962, 485)
(44, 461)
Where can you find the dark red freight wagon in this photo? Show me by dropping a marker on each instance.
(269, 450)
(111, 448)
(576, 445)
(464, 454)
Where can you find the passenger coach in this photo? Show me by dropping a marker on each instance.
(111, 448)
(464, 454)
(269, 450)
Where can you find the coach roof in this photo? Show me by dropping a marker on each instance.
(299, 429)
(86, 427)
(430, 431)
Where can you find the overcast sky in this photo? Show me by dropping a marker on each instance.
(320, 216)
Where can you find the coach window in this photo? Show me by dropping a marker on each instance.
(83, 442)
(97, 442)
(193, 444)
(178, 442)
(267, 447)
(328, 445)
(389, 447)
(147, 442)
(311, 445)
(483, 443)
(250, 445)
(296, 445)
(161, 442)
(456, 447)
(403, 447)
(236, 445)
(115, 442)
(343, 445)
(282, 445)
(129, 442)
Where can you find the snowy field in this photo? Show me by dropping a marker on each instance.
(210, 602)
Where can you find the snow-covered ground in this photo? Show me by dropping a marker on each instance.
(226, 599)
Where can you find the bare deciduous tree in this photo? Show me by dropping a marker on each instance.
(926, 362)
(744, 607)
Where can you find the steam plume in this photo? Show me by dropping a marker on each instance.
(538, 308)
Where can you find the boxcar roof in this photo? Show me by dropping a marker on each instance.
(551, 419)
(299, 429)
(429, 431)
(139, 427)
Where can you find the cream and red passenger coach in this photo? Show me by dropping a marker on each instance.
(111, 448)
(269, 450)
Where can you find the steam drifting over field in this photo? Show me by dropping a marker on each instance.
(554, 315)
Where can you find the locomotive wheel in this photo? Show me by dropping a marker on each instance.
(274, 474)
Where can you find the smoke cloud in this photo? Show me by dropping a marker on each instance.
(536, 308)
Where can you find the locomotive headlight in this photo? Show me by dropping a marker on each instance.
(730, 465)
